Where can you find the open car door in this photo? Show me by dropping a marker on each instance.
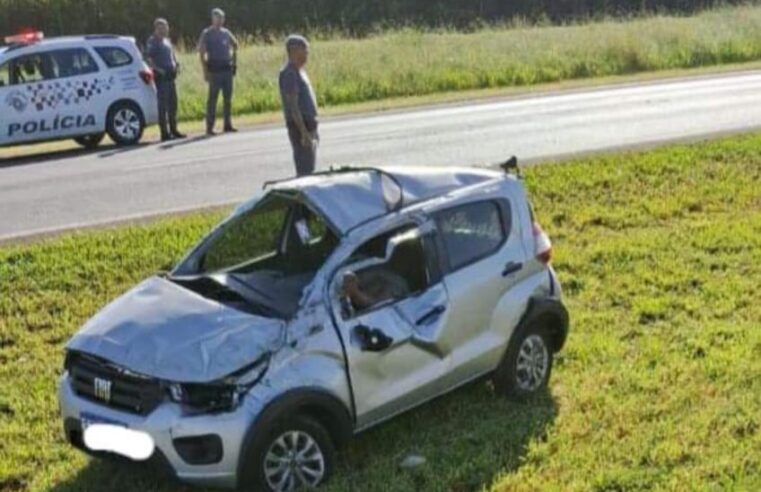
(395, 360)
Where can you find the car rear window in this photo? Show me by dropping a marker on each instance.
(471, 232)
(113, 56)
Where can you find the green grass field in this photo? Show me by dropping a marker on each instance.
(658, 388)
(412, 62)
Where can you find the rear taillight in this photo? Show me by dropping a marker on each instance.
(543, 246)
(147, 76)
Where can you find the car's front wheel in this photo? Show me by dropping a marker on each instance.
(125, 123)
(90, 141)
(526, 366)
(295, 454)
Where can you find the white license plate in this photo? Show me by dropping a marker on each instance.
(100, 434)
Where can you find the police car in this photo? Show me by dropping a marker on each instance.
(81, 87)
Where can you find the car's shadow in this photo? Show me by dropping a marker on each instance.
(468, 439)
(103, 151)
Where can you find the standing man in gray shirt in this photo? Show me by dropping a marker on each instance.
(161, 57)
(218, 50)
(299, 105)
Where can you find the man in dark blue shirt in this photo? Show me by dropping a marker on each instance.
(218, 50)
(161, 57)
(299, 105)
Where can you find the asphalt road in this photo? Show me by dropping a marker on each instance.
(78, 189)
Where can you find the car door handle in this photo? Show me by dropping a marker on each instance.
(511, 267)
(430, 315)
(372, 339)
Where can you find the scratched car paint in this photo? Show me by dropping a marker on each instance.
(320, 308)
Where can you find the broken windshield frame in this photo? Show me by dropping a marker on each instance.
(267, 252)
(215, 287)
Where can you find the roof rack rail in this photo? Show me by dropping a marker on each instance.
(101, 36)
(345, 170)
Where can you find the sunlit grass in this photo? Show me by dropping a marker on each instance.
(412, 62)
(658, 388)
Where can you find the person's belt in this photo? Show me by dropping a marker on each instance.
(219, 67)
(168, 76)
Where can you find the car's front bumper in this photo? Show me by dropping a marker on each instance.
(165, 424)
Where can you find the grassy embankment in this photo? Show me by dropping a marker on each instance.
(414, 63)
(659, 386)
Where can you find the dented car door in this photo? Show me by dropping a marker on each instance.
(395, 357)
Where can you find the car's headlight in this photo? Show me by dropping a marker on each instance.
(223, 395)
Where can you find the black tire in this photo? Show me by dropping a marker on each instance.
(522, 384)
(254, 478)
(125, 123)
(90, 141)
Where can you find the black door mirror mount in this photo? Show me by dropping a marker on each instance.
(371, 339)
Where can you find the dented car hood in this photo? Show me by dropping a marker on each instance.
(163, 330)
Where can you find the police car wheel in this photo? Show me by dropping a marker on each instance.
(125, 123)
(90, 141)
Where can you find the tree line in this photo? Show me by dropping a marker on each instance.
(263, 19)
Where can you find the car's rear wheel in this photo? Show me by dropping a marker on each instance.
(526, 366)
(90, 141)
(125, 123)
(294, 454)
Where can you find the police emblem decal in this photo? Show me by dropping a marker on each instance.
(17, 100)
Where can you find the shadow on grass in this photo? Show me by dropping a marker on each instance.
(468, 438)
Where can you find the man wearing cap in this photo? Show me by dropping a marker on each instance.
(218, 50)
(299, 105)
(162, 59)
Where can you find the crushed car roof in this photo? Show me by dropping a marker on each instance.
(349, 197)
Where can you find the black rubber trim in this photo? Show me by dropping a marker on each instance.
(206, 449)
(540, 307)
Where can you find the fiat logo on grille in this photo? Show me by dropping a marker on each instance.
(102, 389)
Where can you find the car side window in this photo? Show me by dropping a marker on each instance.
(5, 74)
(73, 62)
(32, 68)
(403, 274)
(471, 232)
(113, 56)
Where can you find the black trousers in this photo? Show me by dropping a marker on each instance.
(167, 95)
(219, 82)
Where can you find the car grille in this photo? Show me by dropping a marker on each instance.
(125, 391)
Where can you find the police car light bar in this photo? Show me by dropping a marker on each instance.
(25, 38)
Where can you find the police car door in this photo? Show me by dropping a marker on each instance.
(5, 89)
(77, 97)
(20, 116)
(53, 94)
(394, 358)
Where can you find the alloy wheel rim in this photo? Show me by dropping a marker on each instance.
(126, 123)
(531, 367)
(294, 461)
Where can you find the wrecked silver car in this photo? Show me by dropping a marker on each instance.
(318, 309)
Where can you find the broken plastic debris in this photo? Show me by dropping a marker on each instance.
(412, 460)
